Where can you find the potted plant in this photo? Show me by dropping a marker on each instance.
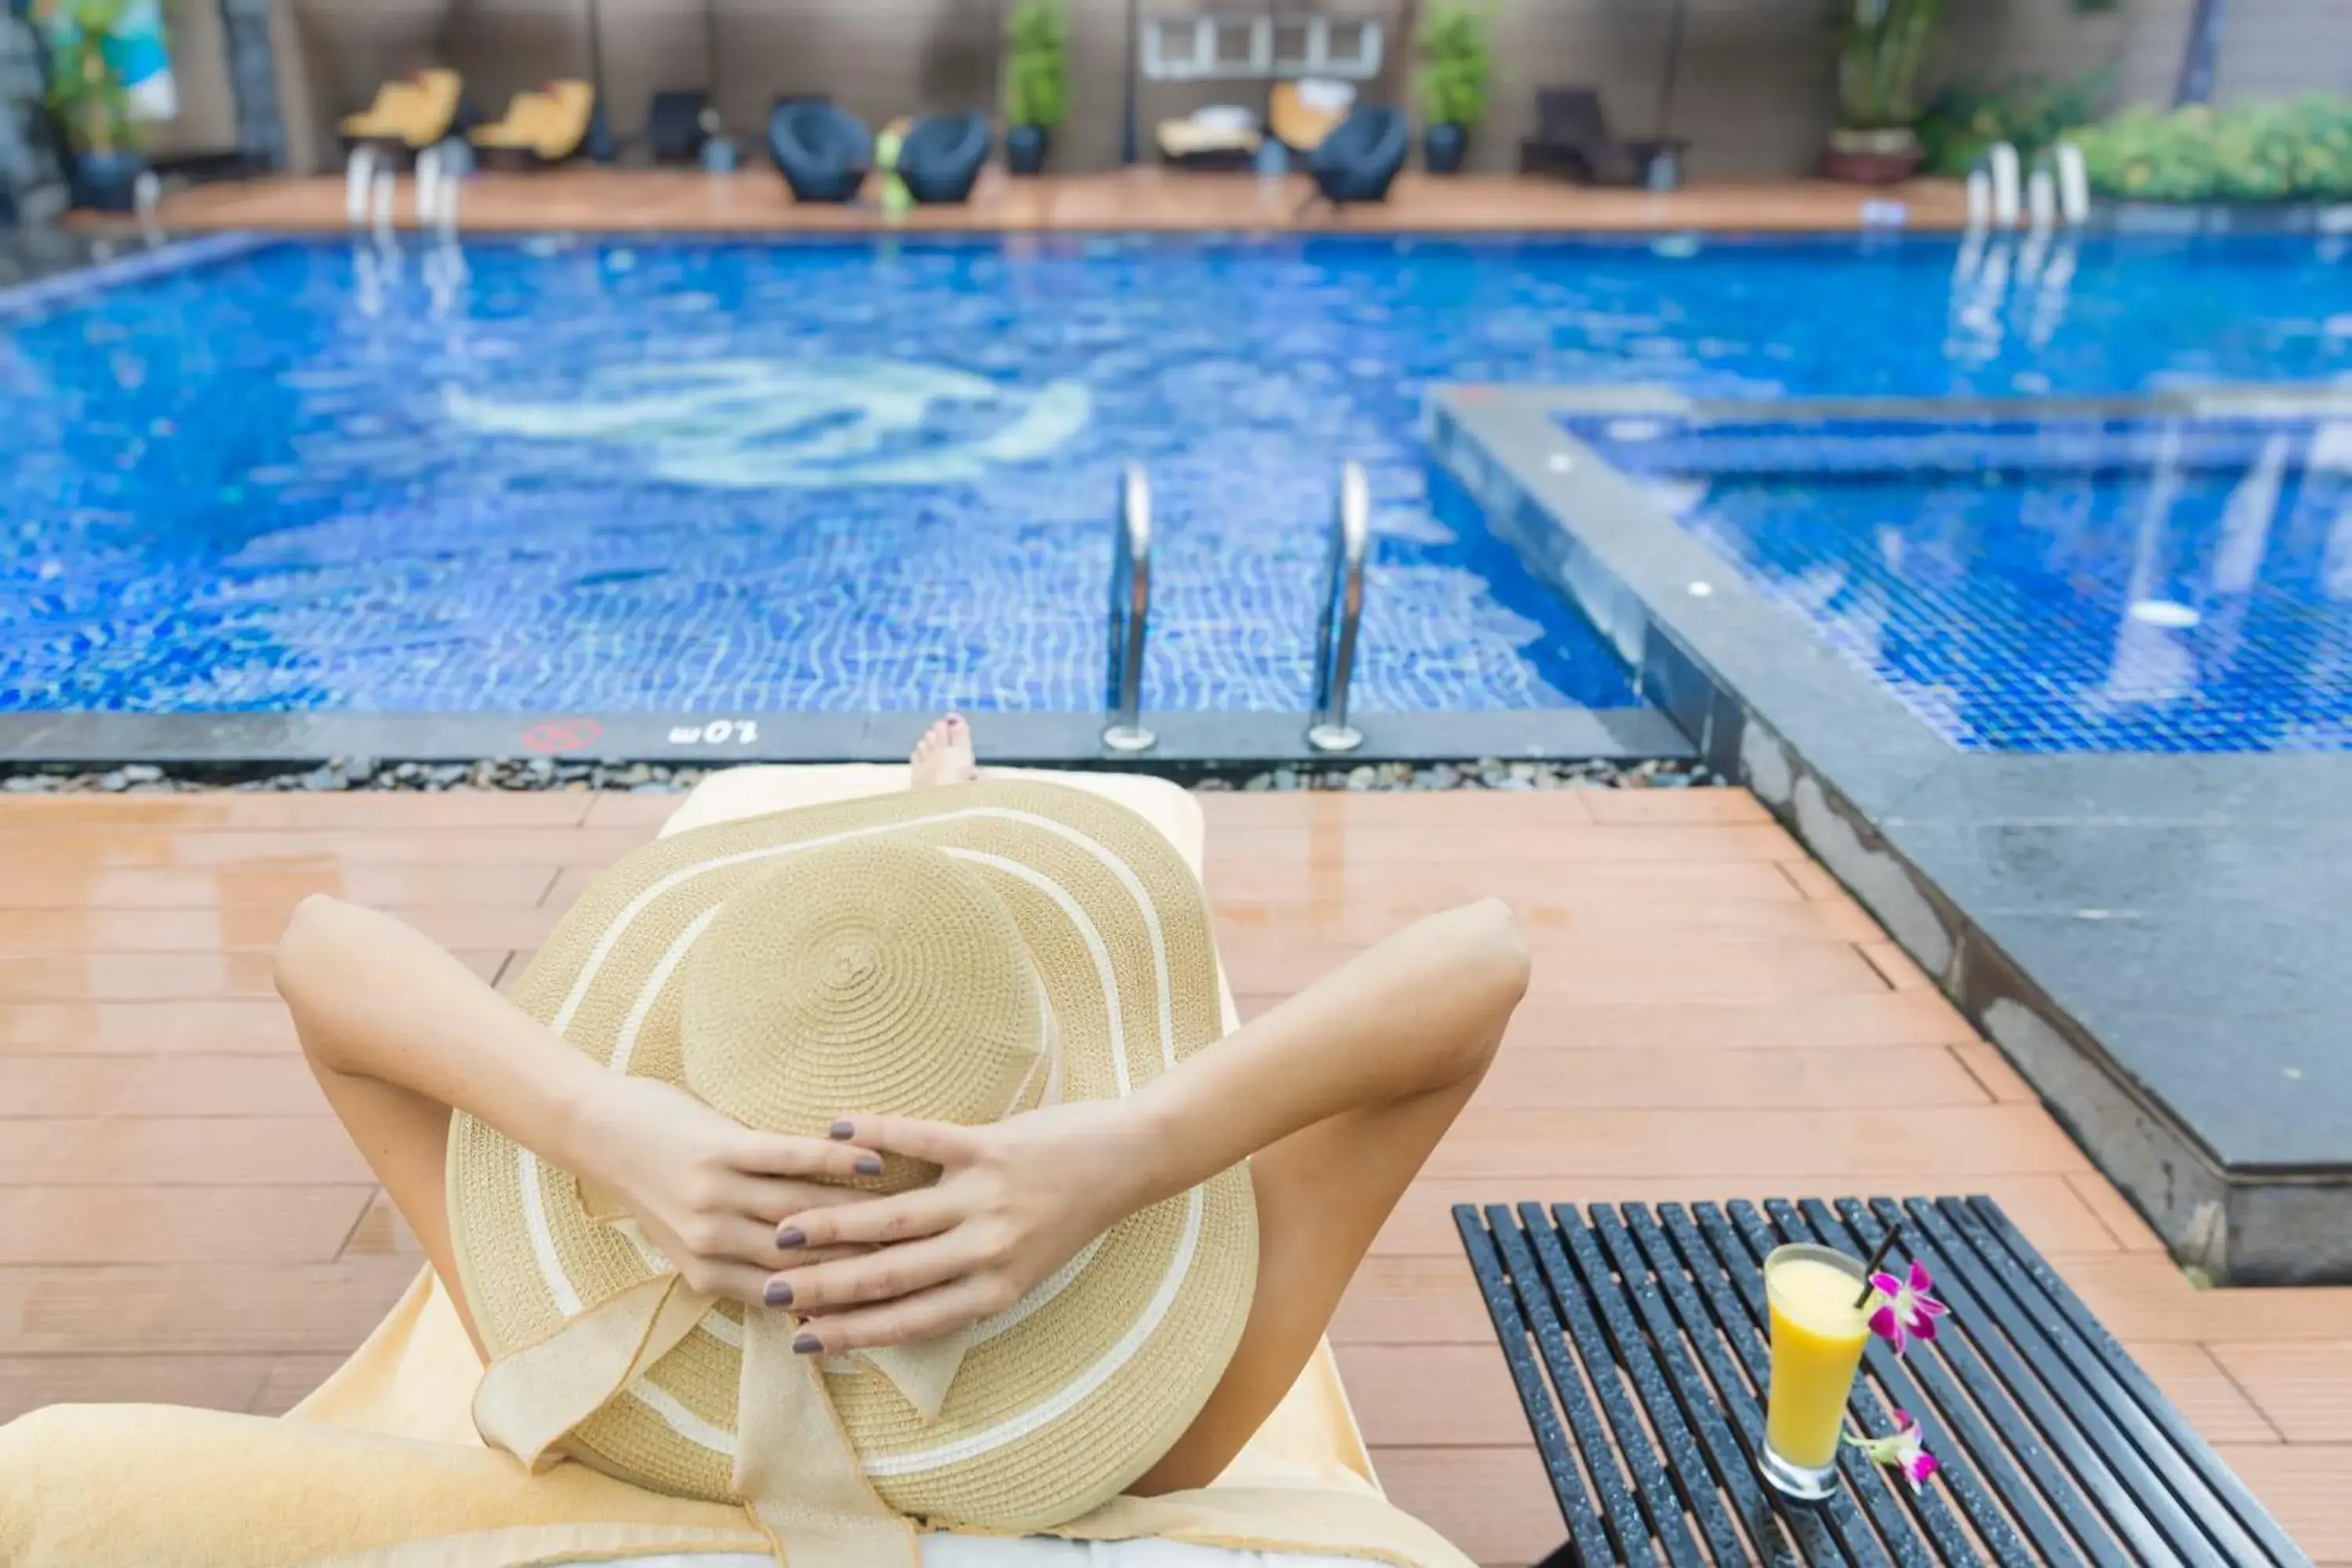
(86, 95)
(1454, 69)
(1882, 46)
(1036, 80)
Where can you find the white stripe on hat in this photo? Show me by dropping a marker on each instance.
(1068, 1397)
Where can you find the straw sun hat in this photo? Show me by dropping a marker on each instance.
(959, 954)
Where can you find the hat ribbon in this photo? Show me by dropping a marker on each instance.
(795, 1470)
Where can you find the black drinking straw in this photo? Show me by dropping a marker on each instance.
(1885, 1244)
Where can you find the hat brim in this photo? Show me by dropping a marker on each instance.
(1062, 1401)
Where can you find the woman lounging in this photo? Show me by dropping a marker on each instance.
(890, 1161)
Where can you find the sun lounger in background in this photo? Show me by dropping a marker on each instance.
(1219, 136)
(675, 127)
(413, 113)
(545, 127)
(1573, 140)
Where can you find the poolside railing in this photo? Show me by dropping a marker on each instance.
(358, 181)
(1342, 612)
(1130, 613)
(1995, 189)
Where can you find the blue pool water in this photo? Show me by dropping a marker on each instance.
(2078, 585)
(843, 475)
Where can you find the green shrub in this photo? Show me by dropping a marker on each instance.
(1455, 63)
(1037, 63)
(85, 92)
(2028, 112)
(2294, 148)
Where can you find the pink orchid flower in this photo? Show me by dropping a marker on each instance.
(1906, 1311)
(1902, 1452)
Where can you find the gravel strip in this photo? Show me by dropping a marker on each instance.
(651, 778)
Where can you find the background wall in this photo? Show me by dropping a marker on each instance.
(207, 120)
(1755, 94)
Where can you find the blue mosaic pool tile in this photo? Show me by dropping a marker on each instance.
(848, 476)
(2160, 588)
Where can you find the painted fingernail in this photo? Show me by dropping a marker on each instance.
(789, 1238)
(839, 1130)
(780, 1293)
(869, 1167)
(807, 1344)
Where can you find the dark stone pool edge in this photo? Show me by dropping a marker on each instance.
(65, 267)
(1185, 739)
(2255, 1184)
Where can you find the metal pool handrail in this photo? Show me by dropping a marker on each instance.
(1343, 610)
(1995, 189)
(1130, 613)
(359, 183)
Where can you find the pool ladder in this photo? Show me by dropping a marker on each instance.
(2000, 192)
(1342, 612)
(371, 185)
(1130, 613)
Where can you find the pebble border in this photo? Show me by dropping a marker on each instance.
(657, 778)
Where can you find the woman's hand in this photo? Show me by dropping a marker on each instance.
(708, 1190)
(1014, 1202)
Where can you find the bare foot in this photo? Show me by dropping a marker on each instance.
(943, 756)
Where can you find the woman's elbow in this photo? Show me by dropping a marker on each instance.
(1486, 964)
(301, 946)
(1505, 964)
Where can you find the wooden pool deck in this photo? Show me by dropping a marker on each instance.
(182, 1220)
(755, 201)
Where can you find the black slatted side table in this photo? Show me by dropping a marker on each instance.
(1637, 1340)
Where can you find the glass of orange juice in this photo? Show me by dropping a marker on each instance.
(1818, 1333)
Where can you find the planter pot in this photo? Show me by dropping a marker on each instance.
(105, 182)
(1872, 157)
(1443, 148)
(1025, 148)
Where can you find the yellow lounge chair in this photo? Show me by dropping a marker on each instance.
(417, 113)
(550, 125)
(377, 118)
(1298, 120)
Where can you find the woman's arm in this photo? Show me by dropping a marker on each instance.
(1414, 1013)
(1415, 1016)
(374, 999)
(399, 1033)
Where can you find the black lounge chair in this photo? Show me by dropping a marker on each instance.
(674, 132)
(1573, 140)
(825, 152)
(941, 156)
(1361, 155)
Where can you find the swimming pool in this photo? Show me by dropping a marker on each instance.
(2077, 582)
(846, 476)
